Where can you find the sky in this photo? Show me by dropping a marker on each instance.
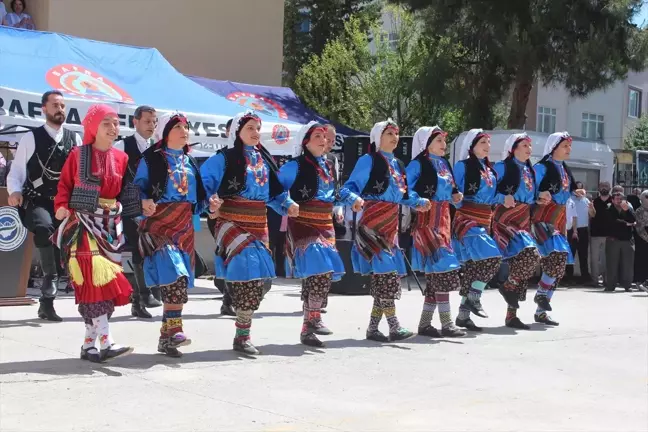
(642, 17)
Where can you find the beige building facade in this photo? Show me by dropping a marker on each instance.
(236, 40)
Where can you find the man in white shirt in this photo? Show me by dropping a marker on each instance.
(579, 211)
(144, 120)
(32, 185)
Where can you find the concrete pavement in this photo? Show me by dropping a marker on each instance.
(589, 374)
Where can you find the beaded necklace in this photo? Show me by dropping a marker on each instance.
(398, 177)
(183, 186)
(258, 169)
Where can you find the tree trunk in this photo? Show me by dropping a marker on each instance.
(524, 81)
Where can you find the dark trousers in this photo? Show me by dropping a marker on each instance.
(39, 220)
(580, 247)
(278, 246)
(132, 240)
(619, 256)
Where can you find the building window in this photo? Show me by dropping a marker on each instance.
(592, 126)
(634, 103)
(546, 120)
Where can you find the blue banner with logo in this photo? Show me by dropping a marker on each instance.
(280, 102)
(35, 62)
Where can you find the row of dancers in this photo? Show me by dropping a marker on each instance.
(508, 211)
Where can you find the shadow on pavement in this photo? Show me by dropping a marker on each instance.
(135, 361)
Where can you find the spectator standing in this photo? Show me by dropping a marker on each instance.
(144, 120)
(641, 244)
(18, 18)
(619, 247)
(579, 211)
(634, 199)
(599, 232)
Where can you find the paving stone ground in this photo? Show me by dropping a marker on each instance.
(589, 374)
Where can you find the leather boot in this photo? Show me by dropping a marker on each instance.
(49, 286)
(146, 298)
(137, 310)
(226, 307)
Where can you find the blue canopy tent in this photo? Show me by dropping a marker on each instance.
(89, 72)
(280, 102)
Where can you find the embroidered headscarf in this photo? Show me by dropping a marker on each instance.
(554, 141)
(376, 132)
(423, 137)
(470, 140)
(93, 119)
(238, 122)
(165, 123)
(304, 135)
(512, 142)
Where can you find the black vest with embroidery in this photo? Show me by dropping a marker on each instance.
(134, 155)
(512, 177)
(472, 178)
(86, 191)
(159, 177)
(552, 181)
(44, 146)
(235, 175)
(378, 182)
(426, 186)
(307, 181)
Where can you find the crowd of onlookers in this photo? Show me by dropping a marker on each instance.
(17, 17)
(609, 235)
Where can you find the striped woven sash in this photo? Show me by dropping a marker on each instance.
(240, 222)
(508, 222)
(431, 230)
(377, 228)
(471, 215)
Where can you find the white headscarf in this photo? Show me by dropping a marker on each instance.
(467, 143)
(158, 134)
(508, 145)
(297, 147)
(553, 141)
(236, 125)
(421, 137)
(377, 131)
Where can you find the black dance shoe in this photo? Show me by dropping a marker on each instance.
(516, 324)
(377, 336)
(91, 354)
(311, 340)
(468, 324)
(429, 331)
(545, 319)
(245, 347)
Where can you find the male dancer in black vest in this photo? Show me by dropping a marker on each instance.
(32, 184)
(144, 120)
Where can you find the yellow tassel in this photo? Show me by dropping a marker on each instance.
(104, 271)
(75, 271)
(74, 268)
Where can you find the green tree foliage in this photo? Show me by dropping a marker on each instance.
(509, 44)
(310, 24)
(637, 139)
(356, 85)
(330, 83)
